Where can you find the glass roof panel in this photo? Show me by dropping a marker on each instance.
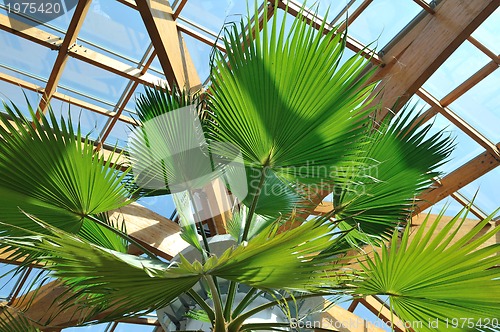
(7, 281)
(23, 76)
(200, 54)
(213, 14)
(90, 328)
(117, 28)
(70, 92)
(124, 327)
(10, 92)
(465, 147)
(336, 9)
(163, 205)
(369, 316)
(119, 134)
(35, 279)
(22, 54)
(480, 106)
(382, 20)
(488, 33)
(488, 191)
(463, 63)
(155, 69)
(93, 81)
(131, 104)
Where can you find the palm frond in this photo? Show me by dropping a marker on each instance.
(102, 236)
(398, 164)
(189, 231)
(111, 283)
(51, 171)
(286, 101)
(236, 223)
(169, 152)
(301, 259)
(435, 275)
(155, 102)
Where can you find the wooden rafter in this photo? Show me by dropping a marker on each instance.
(162, 29)
(418, 53)
(75, 25)
(459, 122)
(477, 77)
(459, 178)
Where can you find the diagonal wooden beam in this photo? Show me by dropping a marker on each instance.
(62, 56)
(336, 318)
(30, 32)
(168, 44)
(424, 48)
(157, 233)
(459, 178)
(457, 121)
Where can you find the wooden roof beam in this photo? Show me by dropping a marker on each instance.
(458, 179)
(69, 40)
(29, 32)
(459, 122)
(168, 44)
(425, 47)
(484, 49)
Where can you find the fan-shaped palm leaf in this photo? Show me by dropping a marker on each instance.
(49, 170)
(398, 164)
(286, 101)
(168, 148)
(429, 278)
(111, 283)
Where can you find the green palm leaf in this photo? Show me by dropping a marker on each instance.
(151, 145)
(301, 259)
(49, 170)
(398, 164)
(430, 278)
(102, 236)
(288, 104)
(113, 284)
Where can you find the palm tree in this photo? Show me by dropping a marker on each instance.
(290, 113)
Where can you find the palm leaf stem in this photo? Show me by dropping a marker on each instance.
(202, 231)
(219, 325)
(255, 199)
(231, 293)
